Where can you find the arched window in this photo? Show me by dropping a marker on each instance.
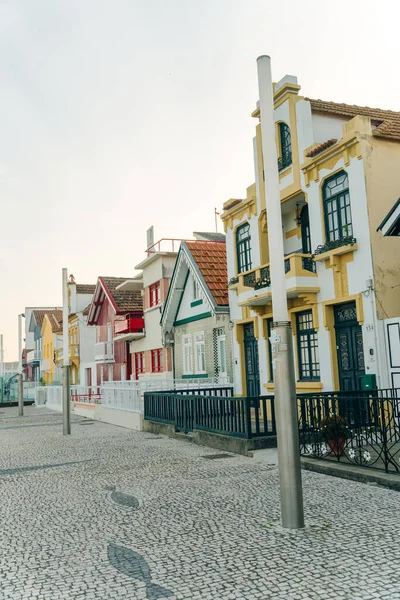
(243, 248)
(337, 209)
(285, 158)
(305, 230)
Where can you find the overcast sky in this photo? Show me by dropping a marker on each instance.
(121, 114)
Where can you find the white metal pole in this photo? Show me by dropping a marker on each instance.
(20, 377)
(281, 334)
(66, 384)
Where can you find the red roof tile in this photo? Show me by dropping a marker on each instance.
(321, 147)
(387, 121)
(210, 258)
(125, 301)
(39, 314)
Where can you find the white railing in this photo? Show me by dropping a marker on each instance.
(104, 351)
(85, 394)
(30, 390)
(49, 395)
(127, 396)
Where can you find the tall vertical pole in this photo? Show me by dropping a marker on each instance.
(281, 334)
(20, 378)
(66, 384)
(1, 356)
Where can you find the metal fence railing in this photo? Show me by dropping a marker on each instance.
(240, 417)
(361, 428)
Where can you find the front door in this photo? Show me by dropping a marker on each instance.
(251, 361)
(350, 349)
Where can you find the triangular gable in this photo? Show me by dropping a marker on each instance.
(185, 270)
(100, 294)
(194, 302)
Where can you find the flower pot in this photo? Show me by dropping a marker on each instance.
(337, 446)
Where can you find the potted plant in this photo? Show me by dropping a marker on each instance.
(334, 430)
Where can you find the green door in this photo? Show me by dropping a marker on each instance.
(350, 348)
(251, 361)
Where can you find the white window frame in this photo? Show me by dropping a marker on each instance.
(221, 339)
(196, 289)
(200, 353)
(187, 355)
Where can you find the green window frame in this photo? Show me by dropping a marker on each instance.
(307, 347)
(285, 158)
(243, 248)
(337, 209)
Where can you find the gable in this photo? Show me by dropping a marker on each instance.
(194, 303)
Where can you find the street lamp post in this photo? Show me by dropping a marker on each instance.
(20, 379)
(66, 382)
(281, 334)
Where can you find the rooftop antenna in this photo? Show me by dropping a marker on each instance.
(216, 214)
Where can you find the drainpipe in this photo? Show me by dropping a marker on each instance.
(281, 334)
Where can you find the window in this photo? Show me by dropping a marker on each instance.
(337, 209)
(187, 354)
(221, 351)
(285, 158)
(308, 354)
(200, 352)
(139, 363)
(196, 290)
(157, 360)
(271, 370)
(243, 248)
(154, 291)
(305, 230)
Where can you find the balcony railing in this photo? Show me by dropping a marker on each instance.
(333, 244)
(295, 265)
(104, 352)
(59, 354)
(128, 324)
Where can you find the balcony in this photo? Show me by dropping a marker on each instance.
(129, 327)
(59, 355)
(301, 278)
(74, 352)
(104, 352)
(284, 161)
(341, 246)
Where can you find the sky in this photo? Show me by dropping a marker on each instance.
(116, 115)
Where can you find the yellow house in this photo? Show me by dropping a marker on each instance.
(51, 334)
(338, 178)
(81, 338)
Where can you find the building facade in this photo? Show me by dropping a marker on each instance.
(52, 341)
(117, 314)
(150, 359)
(338, 180)
(195, 320)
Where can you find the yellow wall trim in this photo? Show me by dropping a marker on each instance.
(293, 232)
(345, 148)
(336, 252)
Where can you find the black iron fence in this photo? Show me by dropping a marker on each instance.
(240, 417)
(361, 427)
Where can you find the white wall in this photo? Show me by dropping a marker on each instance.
(327, 127)
(185, 310)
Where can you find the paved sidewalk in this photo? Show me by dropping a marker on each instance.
(108, 513)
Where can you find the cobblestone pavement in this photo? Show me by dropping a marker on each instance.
(109, 513)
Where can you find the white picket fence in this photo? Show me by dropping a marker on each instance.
(119, 395)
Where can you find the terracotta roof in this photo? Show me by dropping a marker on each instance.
(39, 314)
(85, 288)
(387, 121)
(125, 300)
(321, 147)
(56, 321)
(87, 310)
(210, 258)
(231, 203)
